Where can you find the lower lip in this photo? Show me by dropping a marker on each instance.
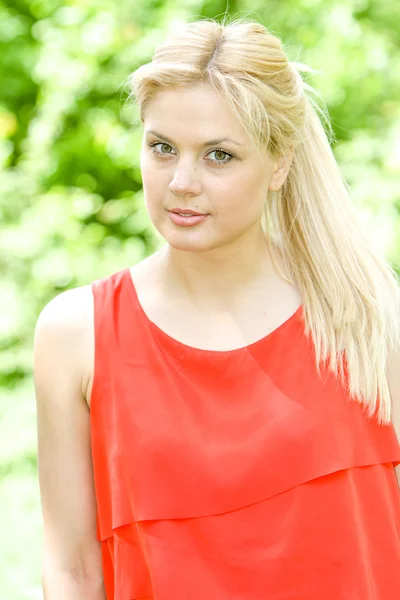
(186, 221)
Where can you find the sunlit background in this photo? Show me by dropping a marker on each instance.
(71, 204)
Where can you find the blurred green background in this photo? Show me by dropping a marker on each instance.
(71, 205)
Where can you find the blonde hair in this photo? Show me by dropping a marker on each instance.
(350, 294)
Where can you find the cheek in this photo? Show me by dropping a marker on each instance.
(227, 191)
(154, 182)
(242, 197)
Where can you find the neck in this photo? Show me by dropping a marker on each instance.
(218, 277)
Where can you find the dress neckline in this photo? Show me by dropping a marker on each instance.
(205, 351)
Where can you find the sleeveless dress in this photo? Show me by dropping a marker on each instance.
(234, 475)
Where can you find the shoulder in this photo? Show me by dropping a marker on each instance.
(67, 308)
(393, 376)
(64, 333)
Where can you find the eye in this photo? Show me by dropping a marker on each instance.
(166, 151)
(219, 151)
(162, 144)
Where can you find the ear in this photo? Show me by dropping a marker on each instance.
(281, 169)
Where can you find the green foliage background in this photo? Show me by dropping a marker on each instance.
(71, 205)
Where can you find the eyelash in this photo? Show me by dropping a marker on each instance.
(227, 160)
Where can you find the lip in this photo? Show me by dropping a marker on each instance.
(188, 221)
(187, 211)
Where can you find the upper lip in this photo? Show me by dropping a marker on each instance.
(186, 211)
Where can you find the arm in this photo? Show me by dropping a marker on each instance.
(71, 553)
(394, 386)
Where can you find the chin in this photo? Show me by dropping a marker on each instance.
(189, 245)
(187, 239)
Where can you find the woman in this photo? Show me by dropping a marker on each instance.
(240, 381)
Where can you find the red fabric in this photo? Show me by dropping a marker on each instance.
(234, 475)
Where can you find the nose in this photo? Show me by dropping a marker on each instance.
(185, 181)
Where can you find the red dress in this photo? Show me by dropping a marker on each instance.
(234, 475)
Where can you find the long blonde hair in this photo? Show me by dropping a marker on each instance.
(350, 294)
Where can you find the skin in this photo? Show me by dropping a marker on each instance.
(181, 172)
(393, 375)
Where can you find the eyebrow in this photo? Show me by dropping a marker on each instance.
(209, 143)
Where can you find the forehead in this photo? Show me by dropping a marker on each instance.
(196, 112)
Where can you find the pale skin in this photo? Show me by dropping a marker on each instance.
(211, 286)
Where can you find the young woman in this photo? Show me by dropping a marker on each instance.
(219, 421)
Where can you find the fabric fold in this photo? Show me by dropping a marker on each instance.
(210, 460)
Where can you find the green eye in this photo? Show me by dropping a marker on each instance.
(223, 156)
(165, 146)
(219, 151)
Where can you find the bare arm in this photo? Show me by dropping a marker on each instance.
(71, 553)
(394, 386)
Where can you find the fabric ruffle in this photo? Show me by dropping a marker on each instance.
(336, 537)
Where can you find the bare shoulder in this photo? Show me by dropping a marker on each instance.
(66, 325)
(393, 375)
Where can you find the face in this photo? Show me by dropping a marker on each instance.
(197, 156)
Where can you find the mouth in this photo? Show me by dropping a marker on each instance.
(185, 212)
(187, 218)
